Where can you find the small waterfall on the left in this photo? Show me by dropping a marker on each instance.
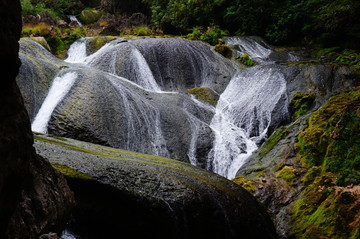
(58, 90)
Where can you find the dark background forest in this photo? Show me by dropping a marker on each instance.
(322, 22)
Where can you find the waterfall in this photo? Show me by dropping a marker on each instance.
(256, 48)
(74, 19)
(126, 81)
(243, 115)
(142, 71)
(143, 121)
(58, 90)
(77, 52)
(195, 124)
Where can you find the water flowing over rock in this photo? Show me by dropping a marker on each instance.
(243, 116)
(131, 94)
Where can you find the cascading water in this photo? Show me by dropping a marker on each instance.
(74, 19)
(77, 52)
(243, 115)
(131, 75)
(59, 88)
(143, 74)
(143, 119)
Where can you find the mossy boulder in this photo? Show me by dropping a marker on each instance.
(223, 50)
(89, 16)
(151, 196)
(205, 94)
(95, 43)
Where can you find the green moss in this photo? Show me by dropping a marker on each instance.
(272, 141)
(71, 173)
(330, 148)
(246, 60)
(89, 16)
(247, 184)
(57, 46)
(95, 43)
(204, 94)
(288, 174)
(223, 49)
(332, 139)
(301, 103)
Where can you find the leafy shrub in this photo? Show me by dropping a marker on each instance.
(211, 35)
(246, 60)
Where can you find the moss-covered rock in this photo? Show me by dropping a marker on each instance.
(223, 50)
(330, 148)
(249, 185)
(151, 196)
(205, 94)
(89, 16)
(288, 174)
(95, 43)
(301, 103)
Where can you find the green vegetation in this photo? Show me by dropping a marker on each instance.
(288, 174)
(332, 138)
(301, 103)
(273, 140)
(330, 148)
(246, 60)
(247, 184)
(211, 35)
(71, 173)
(223, 49)
(204, 94)
(55, 8)
(323, 23)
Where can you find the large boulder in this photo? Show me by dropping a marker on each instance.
(122, 193)
(34, 198)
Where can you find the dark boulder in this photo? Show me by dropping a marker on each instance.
(34, 198)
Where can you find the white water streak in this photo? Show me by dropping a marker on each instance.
(77, 52)
(144, 76)
(242, 118)
(58, 90)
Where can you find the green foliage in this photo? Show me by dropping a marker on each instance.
(246, 60)
(301, 103)
(183, 14)
(223, 49)
(41, 29)
(55, 8)
(324, 211)
(57, 45)
(211, 35)
(142, 31)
